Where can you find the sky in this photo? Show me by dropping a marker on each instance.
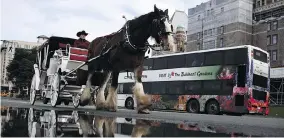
(26, 19)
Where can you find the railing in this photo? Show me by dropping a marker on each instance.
(277, 98)
(270, 6)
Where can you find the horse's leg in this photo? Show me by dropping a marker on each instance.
(140, 129)
(100, 99)
(111, 100)
(143, 100)
(85, 125)
(86, 95)
(99, 122)
(109, 127)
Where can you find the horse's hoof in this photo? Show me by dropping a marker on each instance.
(145, 111)
(144, 107)
(100, 107)
(112, 110)
(143, 122)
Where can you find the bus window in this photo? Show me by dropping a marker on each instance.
(127, 88)
(227, 86)
(192, 87)
(160, 63)
(241, 56)
(229, 57)
(213, 58)
(212, 85)
(175, 87)
(147, 87)
(259, 81)
(148, 64)
(194, 60)
(235, 56)
(261, 56)
(158, 88)
(241, 78)
(120, 89)
(176, 61)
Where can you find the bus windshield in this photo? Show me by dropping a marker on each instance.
(260, 56)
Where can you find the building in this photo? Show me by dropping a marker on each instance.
(8, 52)
(179, 21)
(219, 23)
(268, 34)
(268, 29)
(225, 23)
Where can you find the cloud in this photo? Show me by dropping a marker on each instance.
(27, 19)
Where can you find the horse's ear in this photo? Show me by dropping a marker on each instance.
(166, 11)
(156, 10)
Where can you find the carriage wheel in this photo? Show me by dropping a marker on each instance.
(30, 121)
(33, 91)
(52, 124)
(55, 89)
(76, 100)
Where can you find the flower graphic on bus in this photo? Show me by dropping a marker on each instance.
(226, 73)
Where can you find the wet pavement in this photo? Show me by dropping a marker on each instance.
(30, 122)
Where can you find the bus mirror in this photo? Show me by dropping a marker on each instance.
(241, 78)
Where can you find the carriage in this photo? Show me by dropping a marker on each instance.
(54, 79)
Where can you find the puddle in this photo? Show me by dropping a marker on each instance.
(30, 122)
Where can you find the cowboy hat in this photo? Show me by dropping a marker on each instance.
(81, 33)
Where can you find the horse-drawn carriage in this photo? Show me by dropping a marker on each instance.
(106, 57)
(53, 80)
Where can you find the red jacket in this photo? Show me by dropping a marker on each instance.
(81, 43)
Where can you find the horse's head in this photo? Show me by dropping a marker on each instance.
(162, 29)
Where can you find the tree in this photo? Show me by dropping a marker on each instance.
(20, 70)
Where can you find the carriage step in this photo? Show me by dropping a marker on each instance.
(72, 87)
(71, 91)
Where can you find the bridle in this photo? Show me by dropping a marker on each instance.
(155, 23)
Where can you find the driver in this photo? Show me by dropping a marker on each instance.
(82, 42)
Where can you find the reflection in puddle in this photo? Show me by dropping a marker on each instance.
(19, 122)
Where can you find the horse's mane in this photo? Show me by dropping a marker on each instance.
(141, 19)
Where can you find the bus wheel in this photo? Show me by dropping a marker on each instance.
(129, 103)
(212, 107)
(192, 106)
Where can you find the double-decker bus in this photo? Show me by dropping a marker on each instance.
(233, 79)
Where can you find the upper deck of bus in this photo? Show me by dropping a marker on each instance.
(210, 50)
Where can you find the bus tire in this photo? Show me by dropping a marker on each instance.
(192, 106)
(129, 103)
(212, 107)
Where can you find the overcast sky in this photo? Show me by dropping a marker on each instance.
(27, 19)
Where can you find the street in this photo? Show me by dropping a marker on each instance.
(255, 121)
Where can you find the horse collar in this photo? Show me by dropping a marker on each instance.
(128, 42)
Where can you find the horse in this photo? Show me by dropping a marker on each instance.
(124, 50)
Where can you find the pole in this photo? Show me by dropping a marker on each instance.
(201, 45)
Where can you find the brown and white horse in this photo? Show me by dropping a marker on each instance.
(125, 52)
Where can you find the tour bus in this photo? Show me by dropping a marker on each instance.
(232, 79)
